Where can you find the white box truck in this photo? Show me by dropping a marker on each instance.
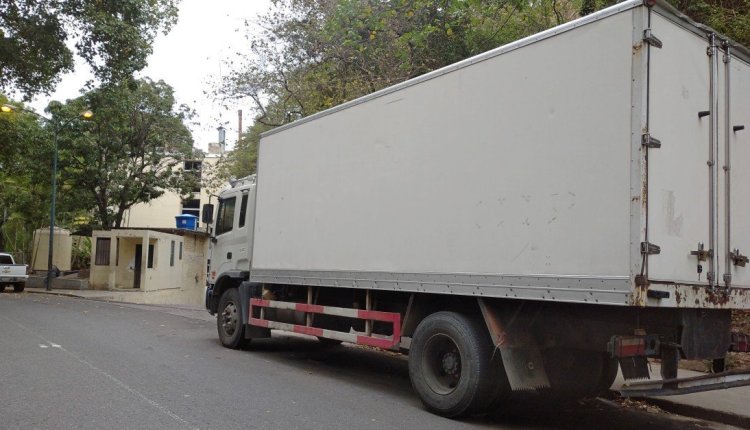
(526, 219)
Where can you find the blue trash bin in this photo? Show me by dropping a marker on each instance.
(187, 222)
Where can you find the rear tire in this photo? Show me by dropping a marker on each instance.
(2, 288)
(451, 366)
(19, 287)
(229, 321)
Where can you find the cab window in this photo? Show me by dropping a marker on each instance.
(243, 210)
(225, 216)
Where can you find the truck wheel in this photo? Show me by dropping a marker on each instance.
(19, 287)
(229, 321)
(450, 364)
(2, 288)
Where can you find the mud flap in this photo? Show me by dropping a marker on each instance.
(634, 367)
(247, 291)
(521, 356)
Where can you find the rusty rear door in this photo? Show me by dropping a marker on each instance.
(734, 151)
(679, 217)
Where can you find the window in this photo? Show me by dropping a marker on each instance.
(5, 259)
(150, 264)
(243, 210)
(180, 250)
(192, 166)
(194, 169)
(171, 255)
(102, 251)
(225, 217)
(191, 207)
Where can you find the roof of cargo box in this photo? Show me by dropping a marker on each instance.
(662, 6)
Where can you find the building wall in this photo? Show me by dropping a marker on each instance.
(179, 283)
(161, 212)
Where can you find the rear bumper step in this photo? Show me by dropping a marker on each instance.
(696, 384)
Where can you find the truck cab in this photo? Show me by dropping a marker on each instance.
(231, 236)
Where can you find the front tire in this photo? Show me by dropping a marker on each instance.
(229, 321)
(451, 366)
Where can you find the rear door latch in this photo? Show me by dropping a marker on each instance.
(738, 259)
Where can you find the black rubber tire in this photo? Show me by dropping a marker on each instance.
(19, 287)
(2, 288)
(438, 341)
(229, 322)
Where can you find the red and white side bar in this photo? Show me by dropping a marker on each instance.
(391, 317)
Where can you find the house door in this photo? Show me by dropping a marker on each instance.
(137, 274)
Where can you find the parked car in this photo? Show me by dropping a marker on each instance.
(12, 273)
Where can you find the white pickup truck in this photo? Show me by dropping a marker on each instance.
(12, 273)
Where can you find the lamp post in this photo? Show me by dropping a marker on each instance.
(56, 128)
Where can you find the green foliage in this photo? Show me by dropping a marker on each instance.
(25, 166)
(731, 18)
(81, 253)
(113, 36)
(131, 152)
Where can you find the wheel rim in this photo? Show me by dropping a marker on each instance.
(442, 364)
(229, 319)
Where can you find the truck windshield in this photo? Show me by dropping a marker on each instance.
(225, 216)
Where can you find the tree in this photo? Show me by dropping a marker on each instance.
(114, 37)
(25, 161)
(131, 152)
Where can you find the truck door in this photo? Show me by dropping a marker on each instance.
(735, 155)
(679, 198)
(233, 232)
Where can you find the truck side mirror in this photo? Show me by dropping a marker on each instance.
(207, 214)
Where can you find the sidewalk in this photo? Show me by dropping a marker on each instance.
(730, 406)
(129, 298)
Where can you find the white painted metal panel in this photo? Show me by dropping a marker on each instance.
(678, 186)
(740, 168)
(517, 164)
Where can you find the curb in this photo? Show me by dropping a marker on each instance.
(699, 412)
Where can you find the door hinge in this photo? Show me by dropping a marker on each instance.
(651, 39)
(649, 141)
(650, 249)
(738, 259)
(702, 254)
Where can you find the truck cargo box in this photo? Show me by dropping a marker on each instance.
(602, 161)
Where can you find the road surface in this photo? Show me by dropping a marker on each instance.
(71, 363)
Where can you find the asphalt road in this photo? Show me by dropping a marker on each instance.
(72, 363)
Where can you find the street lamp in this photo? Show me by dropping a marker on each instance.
(56, 128)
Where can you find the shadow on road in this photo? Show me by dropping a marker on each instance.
(389, 373)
